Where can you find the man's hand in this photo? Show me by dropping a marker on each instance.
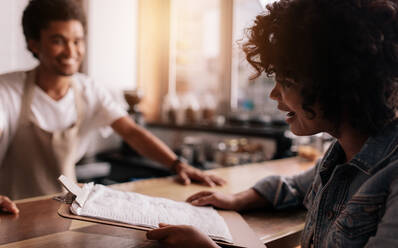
(216, 199)
(180, 236)
(7, 205)
(187, 173)
(153, 148)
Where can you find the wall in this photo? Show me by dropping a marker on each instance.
(13, 53)
(153, 54)
(111, 42)
(111, 57)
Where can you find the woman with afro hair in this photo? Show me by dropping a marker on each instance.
(335, 64)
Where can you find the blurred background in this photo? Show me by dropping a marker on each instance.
(177, 67)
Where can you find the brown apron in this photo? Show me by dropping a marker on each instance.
(35, 157)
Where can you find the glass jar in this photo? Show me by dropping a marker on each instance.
(208, 108)
(191, 109)
(171, 109)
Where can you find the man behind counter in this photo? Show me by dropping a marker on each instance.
(48, 113)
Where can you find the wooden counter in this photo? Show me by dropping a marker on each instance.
(38, 224)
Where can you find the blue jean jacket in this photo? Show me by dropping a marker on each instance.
(353, 204)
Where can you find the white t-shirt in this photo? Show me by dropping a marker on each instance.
(100, 110)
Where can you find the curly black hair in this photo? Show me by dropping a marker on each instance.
(39, 13)
(343, 52)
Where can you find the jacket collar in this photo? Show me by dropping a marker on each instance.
(376, 150)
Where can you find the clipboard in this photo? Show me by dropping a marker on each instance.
(242, 234)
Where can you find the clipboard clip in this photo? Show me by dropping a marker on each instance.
(68, 198)
(74, 189)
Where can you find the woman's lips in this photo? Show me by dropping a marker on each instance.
(290, 116)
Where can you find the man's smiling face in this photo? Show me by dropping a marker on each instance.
(61, 47)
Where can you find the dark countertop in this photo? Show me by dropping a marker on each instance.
(272, 131)
(266, 131)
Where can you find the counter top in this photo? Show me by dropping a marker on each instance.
(38, 224)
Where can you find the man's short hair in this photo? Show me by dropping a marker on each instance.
(39, 13)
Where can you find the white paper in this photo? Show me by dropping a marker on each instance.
(132, 208)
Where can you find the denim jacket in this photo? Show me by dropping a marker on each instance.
(352, 204)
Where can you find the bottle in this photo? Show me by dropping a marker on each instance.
(208, 109)
(171, 109)
(191, 109)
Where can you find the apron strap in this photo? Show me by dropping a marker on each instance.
(27, 97)
(79, 103)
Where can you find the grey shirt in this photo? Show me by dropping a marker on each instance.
(352, 204)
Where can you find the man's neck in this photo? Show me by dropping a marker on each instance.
(55, 86)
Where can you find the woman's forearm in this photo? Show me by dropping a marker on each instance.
(250, 199)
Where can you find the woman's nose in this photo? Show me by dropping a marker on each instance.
(275, 94)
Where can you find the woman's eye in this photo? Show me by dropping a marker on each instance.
(287, 84)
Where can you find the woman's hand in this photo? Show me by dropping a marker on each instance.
(187, 173)
(216, 199)
(248, 199)
(7, 205)
(180, 237)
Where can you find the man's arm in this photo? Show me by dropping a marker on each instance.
(151, 147)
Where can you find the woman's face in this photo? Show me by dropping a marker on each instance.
(288, 95)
